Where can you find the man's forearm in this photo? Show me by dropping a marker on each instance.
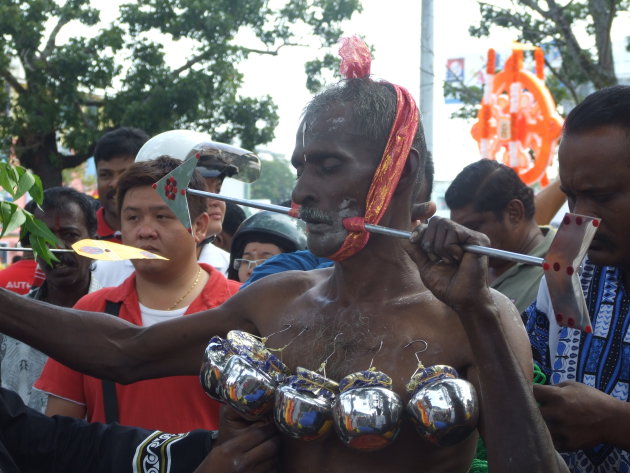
(617, 428)
(63, 333)
(515, 434)
(101, 345)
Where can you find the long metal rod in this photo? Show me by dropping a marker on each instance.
(247, 203)
(482, 250)
(54, 250)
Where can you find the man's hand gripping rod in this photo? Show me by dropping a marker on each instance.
(560, 264)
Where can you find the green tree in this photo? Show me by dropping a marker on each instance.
(558, 23)
(63, 96)
(276, 180)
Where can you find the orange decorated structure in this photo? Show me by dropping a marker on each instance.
(517, 123)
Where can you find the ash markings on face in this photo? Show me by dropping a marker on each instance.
(335, 123)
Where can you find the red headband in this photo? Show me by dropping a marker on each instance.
(355, 62)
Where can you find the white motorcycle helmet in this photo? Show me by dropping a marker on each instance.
(215, 159)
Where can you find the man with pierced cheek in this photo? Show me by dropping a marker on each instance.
(387, 310)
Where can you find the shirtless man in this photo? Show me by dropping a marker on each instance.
(390, 293)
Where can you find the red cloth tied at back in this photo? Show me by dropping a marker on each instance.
(392, 163)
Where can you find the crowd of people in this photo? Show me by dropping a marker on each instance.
(120, 391)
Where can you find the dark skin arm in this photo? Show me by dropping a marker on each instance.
(113, 349)
(242, 447)
(579, 416)
(548, 202)
(513, 429)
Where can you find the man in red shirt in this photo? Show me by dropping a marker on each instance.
(114, 153)
(159, 290)
(20, 275)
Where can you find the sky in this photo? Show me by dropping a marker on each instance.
(393, 28)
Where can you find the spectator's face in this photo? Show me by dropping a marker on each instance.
(255, 253)
(335, 167)
(68, 223)
(594, 174)
(486, 222)
(216, 208)
(107, 175)
(148, 223)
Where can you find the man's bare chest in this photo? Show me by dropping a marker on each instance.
(339, 341)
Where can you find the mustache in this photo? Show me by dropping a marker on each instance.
(313, 215)
(65, 259)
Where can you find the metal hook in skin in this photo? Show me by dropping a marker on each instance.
(377, 352)
(322, 367)
(288, 326)
(266, 338)
(420, 365)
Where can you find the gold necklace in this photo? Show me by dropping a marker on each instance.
(188, 291)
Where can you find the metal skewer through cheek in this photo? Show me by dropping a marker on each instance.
(561, 263)
(482, 250)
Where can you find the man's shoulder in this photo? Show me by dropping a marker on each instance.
(96, 300)
(218, 289)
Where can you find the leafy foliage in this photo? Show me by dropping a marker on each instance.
(63, 96)
(276, 181)
(17, 181)
(585, 65)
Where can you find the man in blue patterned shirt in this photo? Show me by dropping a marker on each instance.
(586, 407)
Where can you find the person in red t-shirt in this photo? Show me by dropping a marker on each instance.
(159, 290)
(114, 153)
(21, 275)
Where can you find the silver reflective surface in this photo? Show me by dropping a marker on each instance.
(445, 412)
(214, 360)
(247, 389)
(302, 415)
(226, 160)
(367, 418)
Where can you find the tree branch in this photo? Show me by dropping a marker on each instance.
(534, 6)
(567, 83)
(12, 81)
(191, 62)
(71, 161)
(200, 57)
(50, 44)
(269, 52)
(583, 60)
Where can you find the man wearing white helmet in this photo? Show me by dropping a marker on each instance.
(217, 162)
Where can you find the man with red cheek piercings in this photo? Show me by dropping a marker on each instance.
(389, 325)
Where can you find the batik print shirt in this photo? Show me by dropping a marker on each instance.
(600, 359)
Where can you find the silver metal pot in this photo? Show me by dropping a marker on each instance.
(303, 405)
(215, 358)
(367, 412)
(443, 407)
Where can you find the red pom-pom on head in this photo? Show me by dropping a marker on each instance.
(355, 58)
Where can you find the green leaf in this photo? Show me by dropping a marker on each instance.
(39, 229)
(40, 250)
(14, 222)
(6, 212)
(24, 184)
(5, 181)
(37, 190)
